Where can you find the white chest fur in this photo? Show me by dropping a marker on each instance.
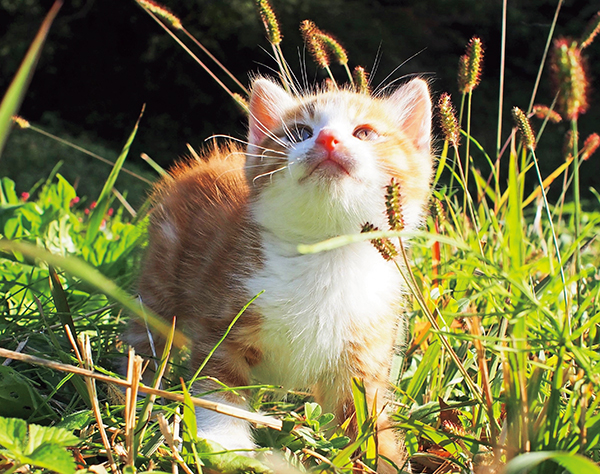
(314, 305)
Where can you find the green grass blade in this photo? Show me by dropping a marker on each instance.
(93, 277)
(16, 91)
(105, 195)
(426, 367)
(365, 423)
(60, 301)
(574, 463)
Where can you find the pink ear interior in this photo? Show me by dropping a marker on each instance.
(268, 103)
(413, 109)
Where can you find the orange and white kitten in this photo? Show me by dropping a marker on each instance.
(227, 227)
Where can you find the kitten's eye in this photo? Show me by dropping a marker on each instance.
(299, 133)
(364, 132)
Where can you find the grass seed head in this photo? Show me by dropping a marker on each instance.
(590, 146)
(333, 46)
(448, 120)
(590, 32)
(162, 12)
(570, 78)
(571, 139)
(393, 206)
(361, 80)
(542, 112)
(314, 43)
(437, 209)
(470, 65)
(384, 246)
(20, 121)
(269, 19)
(524, 127)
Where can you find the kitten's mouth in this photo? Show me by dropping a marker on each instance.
(330, 166)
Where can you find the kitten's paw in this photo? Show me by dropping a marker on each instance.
(231, 433)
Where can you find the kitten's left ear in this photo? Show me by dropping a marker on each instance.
(412, 105)
(268, 103)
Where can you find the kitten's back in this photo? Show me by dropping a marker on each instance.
(200, 244)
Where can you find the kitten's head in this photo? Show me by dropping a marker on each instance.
(318, 164)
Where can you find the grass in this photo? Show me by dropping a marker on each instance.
(500, 375)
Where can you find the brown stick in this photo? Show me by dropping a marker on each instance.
(209, 405)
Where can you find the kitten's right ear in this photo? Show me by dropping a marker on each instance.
(268, 102)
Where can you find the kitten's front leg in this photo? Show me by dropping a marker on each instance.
(231, 433)
(230, 367)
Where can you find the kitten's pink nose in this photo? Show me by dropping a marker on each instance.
(327, 139)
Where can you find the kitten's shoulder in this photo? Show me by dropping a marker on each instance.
(206, 194)
(217, 174)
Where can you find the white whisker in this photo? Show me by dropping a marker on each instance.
(245, 142)
(270, 173)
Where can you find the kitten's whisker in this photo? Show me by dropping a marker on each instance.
(382, 85)
(245, 142)
(254, 155)
(270, 173)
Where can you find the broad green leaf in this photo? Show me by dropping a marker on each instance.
(18, 398)
(52, 456)
(39, 435)
(217, 459)
(16, 91)
(7, 192)
(312, 410)
(13, 434)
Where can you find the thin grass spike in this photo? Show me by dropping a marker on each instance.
(542, 112)
(361, 80)
(590, 146)
(568, 69)
(314, 44)
(393, 206)
(448, 120)
(591, 31)
(524, 127)
(162, 12)
(384, 246)
(470, 66)
(269, 21)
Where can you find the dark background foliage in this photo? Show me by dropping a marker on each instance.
(105, 58)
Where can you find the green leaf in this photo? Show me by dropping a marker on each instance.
(217, 459)
(104, 200)
(42, 447)
(18, 398)
(16, 91)
(60, 301)
(573, 462)
(51, 456)
(190, 427)
(312, 410)
(365, 423)
(13, 434)
(93, 277)
(40, 435)
(7, 192)
(428, 364)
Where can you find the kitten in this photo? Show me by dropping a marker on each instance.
(227, 227)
